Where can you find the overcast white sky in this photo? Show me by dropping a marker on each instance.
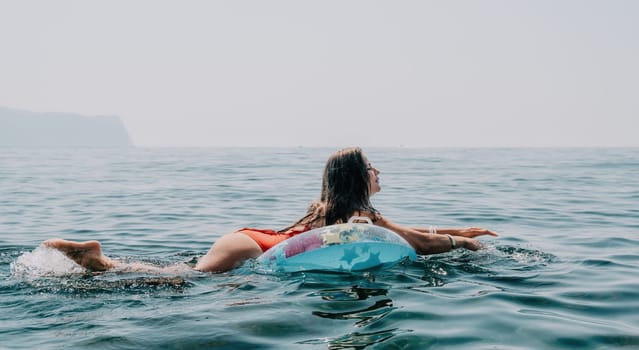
(332, 73)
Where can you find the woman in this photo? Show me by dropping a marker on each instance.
(348, 183)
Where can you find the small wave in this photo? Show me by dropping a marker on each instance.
(364, 316)
(107, 284)
(524, 257)
(44, 262)
(356, 340)
(491, 259)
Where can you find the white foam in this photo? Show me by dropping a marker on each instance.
(44, 261)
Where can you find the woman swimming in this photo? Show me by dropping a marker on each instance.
(348, 183)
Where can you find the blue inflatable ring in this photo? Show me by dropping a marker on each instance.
(344, 248)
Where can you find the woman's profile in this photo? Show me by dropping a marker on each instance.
(348, 182)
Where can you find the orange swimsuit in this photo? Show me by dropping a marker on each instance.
(267, 239)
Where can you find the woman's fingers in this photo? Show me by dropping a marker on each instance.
(477, 231)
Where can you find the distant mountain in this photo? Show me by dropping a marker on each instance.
(20, 128)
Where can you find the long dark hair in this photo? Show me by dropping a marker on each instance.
(345, 190)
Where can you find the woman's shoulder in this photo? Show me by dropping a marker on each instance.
(373, 215)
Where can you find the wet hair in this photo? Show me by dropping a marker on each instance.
(345, 191)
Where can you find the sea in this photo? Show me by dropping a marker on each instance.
(563, 273)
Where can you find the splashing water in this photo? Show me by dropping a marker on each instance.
(44, 261)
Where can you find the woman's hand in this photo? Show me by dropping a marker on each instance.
(468, 243)
(472, 232)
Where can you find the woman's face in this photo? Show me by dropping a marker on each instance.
(373, 175)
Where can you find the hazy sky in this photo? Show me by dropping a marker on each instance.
(332, 73)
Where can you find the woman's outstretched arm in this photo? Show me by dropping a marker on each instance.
(470, 232)
(426, 243)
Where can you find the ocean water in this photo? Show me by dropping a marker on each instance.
(564, 273)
